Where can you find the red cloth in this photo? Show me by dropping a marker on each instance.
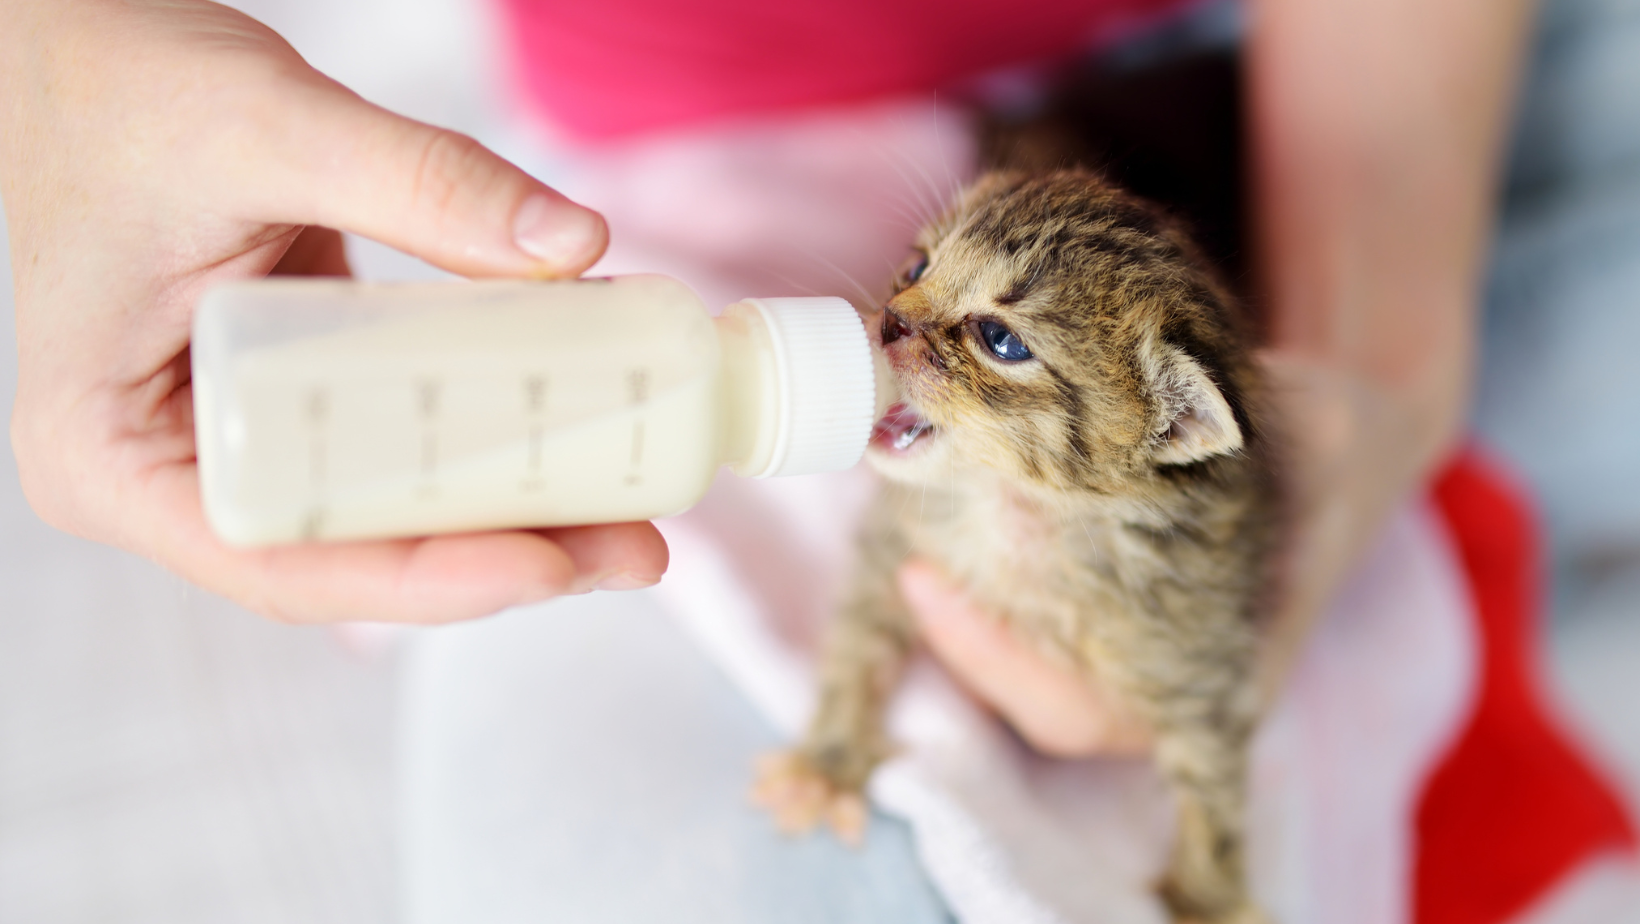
(614, 67)
(1514, 806)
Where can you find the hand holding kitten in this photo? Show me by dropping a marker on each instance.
(1057, 711)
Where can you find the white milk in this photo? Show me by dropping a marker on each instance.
(329, 410)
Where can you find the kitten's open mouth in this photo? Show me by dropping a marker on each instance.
(900, 429)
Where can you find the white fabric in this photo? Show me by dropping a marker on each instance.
(1011, 837)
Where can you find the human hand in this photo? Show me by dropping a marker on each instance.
(149, 151)
(1057, 710)
(1352, 449)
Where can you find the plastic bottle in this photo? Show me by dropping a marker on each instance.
(328, 410)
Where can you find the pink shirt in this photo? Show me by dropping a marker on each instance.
(602, 68)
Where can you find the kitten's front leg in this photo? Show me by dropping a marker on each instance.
(1202, 705)
(1206, 879)
(824, 777)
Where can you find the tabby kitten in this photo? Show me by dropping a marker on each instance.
(1078, 446)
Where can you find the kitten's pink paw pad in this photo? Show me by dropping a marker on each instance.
(800, 797)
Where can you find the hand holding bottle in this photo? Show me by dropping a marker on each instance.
(148, 152)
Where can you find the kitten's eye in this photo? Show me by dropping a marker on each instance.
(1003, 343)
(917, 269)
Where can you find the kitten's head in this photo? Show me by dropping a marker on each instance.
(1061, 333)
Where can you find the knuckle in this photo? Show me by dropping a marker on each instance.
(446, 164)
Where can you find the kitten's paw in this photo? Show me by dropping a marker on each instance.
(799, 797)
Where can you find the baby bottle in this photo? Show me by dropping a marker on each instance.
(330, 410)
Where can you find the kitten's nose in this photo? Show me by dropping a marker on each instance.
(894, 327)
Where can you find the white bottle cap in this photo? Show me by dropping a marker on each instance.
(827, 384)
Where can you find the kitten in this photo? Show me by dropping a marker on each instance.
(1079, 447)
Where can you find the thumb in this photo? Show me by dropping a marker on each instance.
(436, 194)
(1059, 710)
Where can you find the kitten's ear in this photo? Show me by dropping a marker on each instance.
(1199, 421)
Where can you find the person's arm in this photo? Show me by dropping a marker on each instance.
(1376, 138)
(1376, 135)
(149, 150)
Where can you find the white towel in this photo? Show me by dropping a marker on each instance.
(1011, 837)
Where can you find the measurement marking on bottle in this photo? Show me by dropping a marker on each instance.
(637, 386)
(538, 435)
(427, 392)
(427, 404)
(532, 464)
(318, 405)
(313, 524)
(637, 453)
(317, 408)
(535, 406)
(429, 454)
(316, 463)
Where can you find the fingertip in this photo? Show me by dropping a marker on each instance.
(435, 194)
(928, 591)
(565, 237)
(615, 556)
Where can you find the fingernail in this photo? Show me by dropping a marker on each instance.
(558, 232)
(625, 580)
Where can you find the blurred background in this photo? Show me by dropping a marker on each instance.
(165, 756)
